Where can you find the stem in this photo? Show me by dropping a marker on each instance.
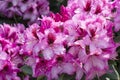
(15, 19)
(62, 76)
(117, 74)
(98, 77)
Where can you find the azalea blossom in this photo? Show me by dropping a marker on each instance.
(117, 19)
(78, 40)
(28, 9)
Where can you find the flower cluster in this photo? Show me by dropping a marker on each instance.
(117, 14)
(28, 9)
(9, 51)
(78, 40)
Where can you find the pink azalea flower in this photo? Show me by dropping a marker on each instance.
(89, 6)
(7, 68)
(62, 16)
(117, 19)
(76, 40)
(95, 66)
(7, 71)
(62, 64)
(30, 9)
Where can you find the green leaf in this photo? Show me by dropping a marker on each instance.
(117, 39)
(112, 62)
(42, 78)
(66, 77)
(108, 76)
(27, 70)
(112, 74)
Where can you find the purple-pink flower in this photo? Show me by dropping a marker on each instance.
(28, 9)
(116, 5)
(78, 40)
